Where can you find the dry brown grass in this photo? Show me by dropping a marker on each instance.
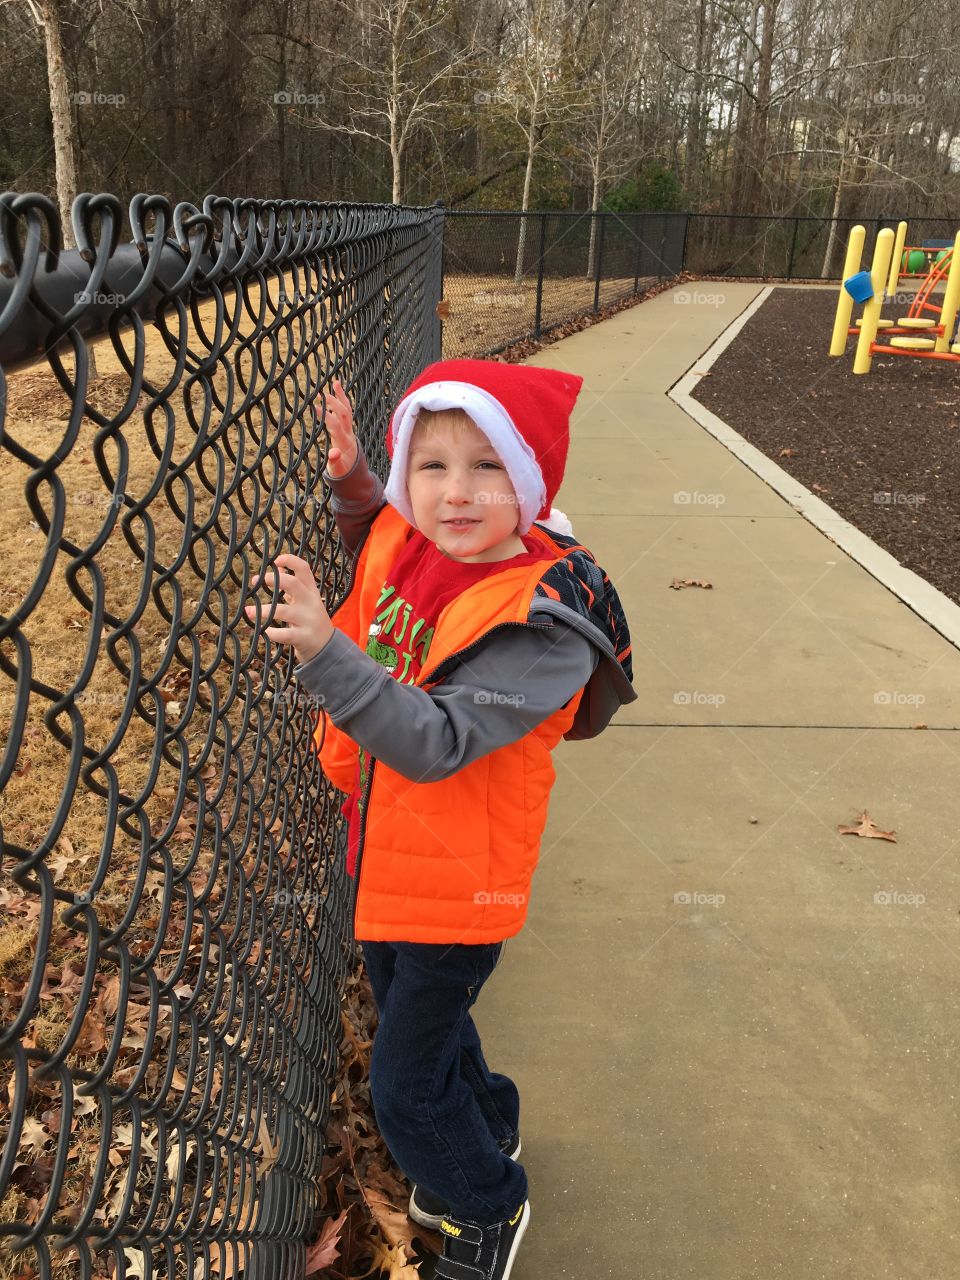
(487, 312)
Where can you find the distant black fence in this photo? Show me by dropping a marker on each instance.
(788, 248)
(510, 276)
(176, 913)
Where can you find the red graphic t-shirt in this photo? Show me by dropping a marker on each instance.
(421, 583)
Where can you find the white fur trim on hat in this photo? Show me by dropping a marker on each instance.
(558, 522)
(495, 423)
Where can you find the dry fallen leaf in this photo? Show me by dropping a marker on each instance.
(271, 1149)
(391, 1261)
(134, 1262)
(443, 309)
(867, 827)
(786, 453)
(326, 1251)
(677, 583)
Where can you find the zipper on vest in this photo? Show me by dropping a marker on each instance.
(371, 760)
(364, 801)
(535, 626)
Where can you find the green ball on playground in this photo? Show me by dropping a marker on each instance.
(915, 260)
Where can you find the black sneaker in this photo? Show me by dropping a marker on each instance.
(429, 1210)
(471, 1252)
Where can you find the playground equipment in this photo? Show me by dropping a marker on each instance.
(869, 287)
(920, 259)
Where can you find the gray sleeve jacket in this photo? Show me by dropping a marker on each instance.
(519, 679)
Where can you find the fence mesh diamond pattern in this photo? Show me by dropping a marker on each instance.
(176, 927)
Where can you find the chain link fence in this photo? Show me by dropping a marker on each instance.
(176, 910)
(509, 276)
(788, 248)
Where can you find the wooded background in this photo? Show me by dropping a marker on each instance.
(827, 107)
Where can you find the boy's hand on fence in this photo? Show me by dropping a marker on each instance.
(308, 624)
(338, 420)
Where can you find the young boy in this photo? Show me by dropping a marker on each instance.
(490, 633)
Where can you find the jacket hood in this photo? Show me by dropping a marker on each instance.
(578, 591)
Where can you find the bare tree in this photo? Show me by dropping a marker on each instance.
(394, 74)
(608, 62)
(538, 82)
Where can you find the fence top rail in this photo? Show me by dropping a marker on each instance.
(46, 291)
(563, 213)
(690, 213)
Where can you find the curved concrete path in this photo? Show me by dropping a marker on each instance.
(736, 1059)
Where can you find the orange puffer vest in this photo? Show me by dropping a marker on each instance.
(447, 861)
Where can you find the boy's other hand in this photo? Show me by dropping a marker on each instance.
(338, 420)
(308, 624)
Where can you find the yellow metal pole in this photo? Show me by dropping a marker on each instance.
(951, 299)
(871, 312)
(851, 264)
(897, 255)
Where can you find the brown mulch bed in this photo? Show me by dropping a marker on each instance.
(882, 449)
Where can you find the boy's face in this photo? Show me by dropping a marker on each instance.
(454, 472)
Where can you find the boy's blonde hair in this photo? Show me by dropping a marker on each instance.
(428, 419)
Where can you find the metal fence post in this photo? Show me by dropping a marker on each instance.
(636, 270)
(438, 345)
(683, 250)
(540, 252)
(793, 248)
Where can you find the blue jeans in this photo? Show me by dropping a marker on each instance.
(440, 1109)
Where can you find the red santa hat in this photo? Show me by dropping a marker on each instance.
(523, 410)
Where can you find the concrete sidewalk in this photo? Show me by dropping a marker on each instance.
(756, 1078)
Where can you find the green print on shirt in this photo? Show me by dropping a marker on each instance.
(394, 618)
(394, 615)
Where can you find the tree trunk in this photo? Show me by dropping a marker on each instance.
(594, 206)
(527, 179)
(64, 132)
(834, 215)
(64, 137)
